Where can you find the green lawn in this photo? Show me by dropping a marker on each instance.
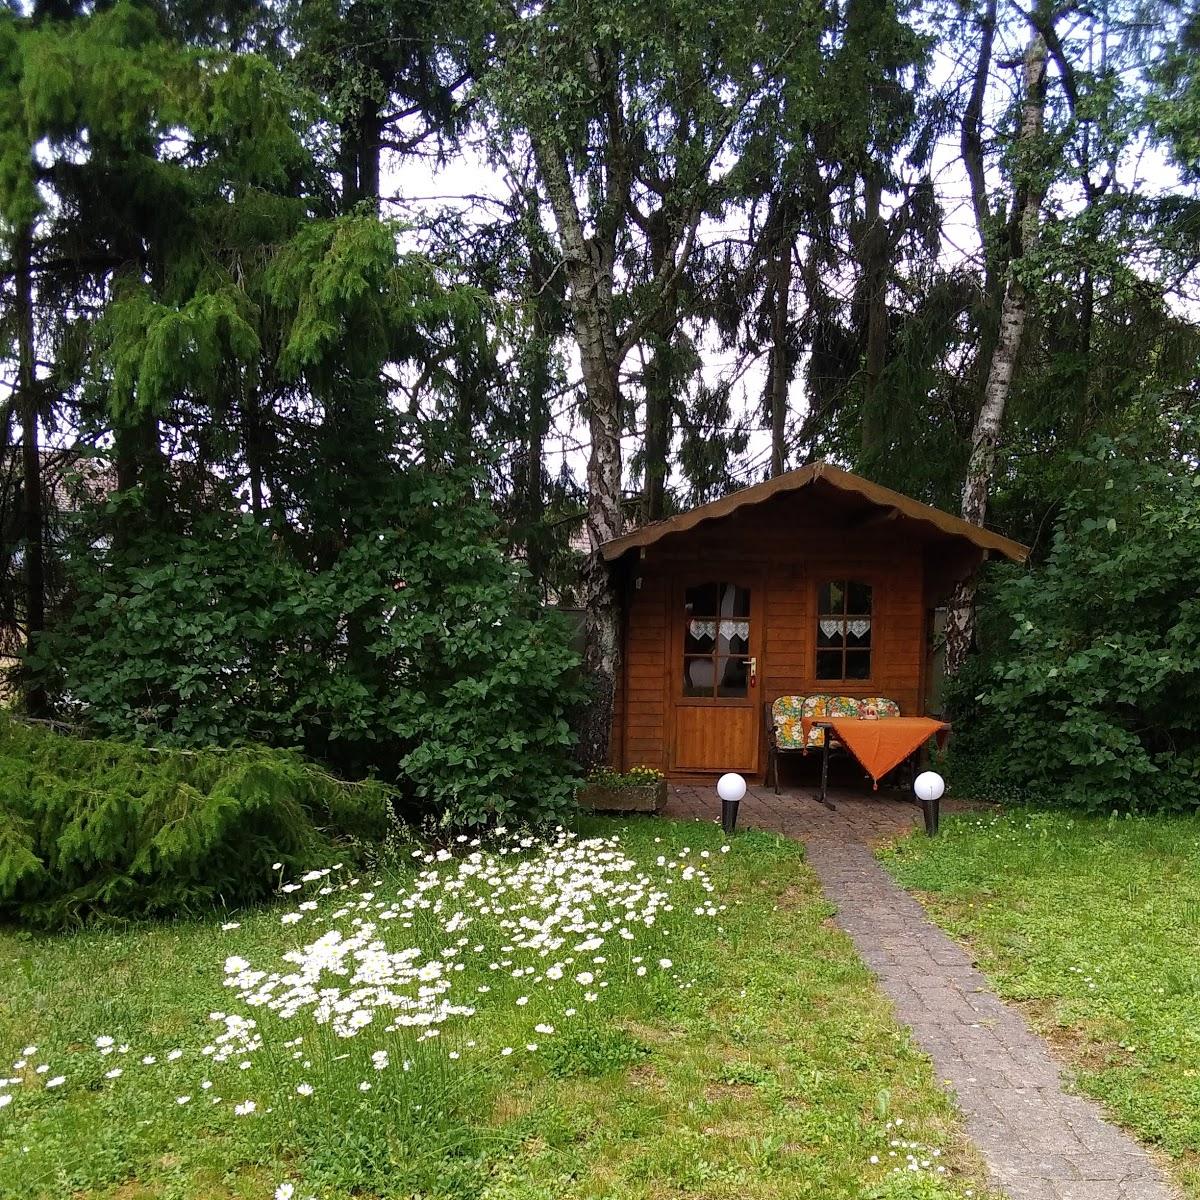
(733, 1046)
(1094, 924)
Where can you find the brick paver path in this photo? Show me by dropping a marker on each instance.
(1039, 1142)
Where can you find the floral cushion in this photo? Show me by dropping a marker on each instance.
(785, 716)
(787, 711)
(822, 705)
(825, 705)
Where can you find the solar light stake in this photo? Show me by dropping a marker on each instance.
(929, 786)
(731, 787)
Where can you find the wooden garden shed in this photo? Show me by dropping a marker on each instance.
(817, 581)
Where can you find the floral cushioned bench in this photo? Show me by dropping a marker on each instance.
(784, 734)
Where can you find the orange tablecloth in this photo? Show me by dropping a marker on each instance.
(881, 744)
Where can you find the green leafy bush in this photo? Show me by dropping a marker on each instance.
(415, 651)
(91, 827)
(1087, 692)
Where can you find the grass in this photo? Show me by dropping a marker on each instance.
(761, 1062)
(1093, 924)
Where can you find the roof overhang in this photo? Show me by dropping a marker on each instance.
(888, 502)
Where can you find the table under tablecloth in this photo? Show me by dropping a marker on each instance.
(879, 744)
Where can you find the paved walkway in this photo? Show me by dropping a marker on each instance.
(1039, 1142)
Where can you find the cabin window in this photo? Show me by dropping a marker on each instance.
(716, 641)
(844, 630)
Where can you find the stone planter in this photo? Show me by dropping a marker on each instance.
(642, 797)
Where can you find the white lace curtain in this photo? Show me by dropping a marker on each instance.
(729, 629)
(833, 626)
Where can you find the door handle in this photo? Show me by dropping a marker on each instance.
(752, 663)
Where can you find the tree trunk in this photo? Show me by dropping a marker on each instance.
(873, 312)
(125, 453)
(971, 141)
(659, 380)
(32, 513)
(1087, 316)
(604, 522)
(358, 156)
(589, 265)
(252, 444)
(781, 360)
(993, 243)
(602, 651)
(537, 421)
(535, 496)
(960, 619)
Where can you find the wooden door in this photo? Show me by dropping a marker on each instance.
(715, 672)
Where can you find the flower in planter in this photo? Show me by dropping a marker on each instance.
(640, 776)
(641, 789)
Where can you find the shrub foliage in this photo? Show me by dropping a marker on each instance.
(414, 651)
(92, 828)
(1087, 692)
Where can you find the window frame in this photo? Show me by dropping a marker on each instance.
(714, 656)
(845, 577)
(675, 646)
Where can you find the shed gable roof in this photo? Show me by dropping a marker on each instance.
(792, 481)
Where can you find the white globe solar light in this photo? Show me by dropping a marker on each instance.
(731, 786)
(929, 786)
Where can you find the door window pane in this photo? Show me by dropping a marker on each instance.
(716, 641)
(733, 677)
(701, 601)
(698, 676)
(735, 601)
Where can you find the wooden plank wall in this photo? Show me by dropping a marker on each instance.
(647, 637)
(795, 556)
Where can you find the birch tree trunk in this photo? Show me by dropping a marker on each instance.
(602, 649)
(589, 263)
(960, 619)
